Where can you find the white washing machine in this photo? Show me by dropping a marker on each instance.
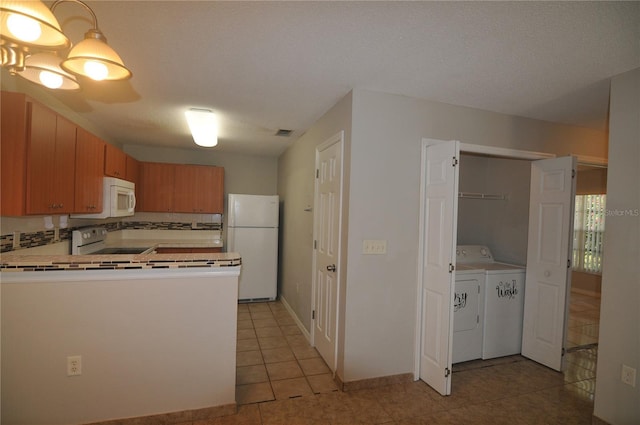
(468, 314)
(503, 300)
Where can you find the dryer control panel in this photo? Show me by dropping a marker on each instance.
(473, 254)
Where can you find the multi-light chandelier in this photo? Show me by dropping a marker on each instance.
(31, 39)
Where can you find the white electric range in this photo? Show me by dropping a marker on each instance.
(92, 241)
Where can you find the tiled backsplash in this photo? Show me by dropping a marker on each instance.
(41, 238)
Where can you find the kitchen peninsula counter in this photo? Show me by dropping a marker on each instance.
(40, 263)
(156, 334)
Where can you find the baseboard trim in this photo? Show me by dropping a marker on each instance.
(362, 384)
(304, 331)
(175, 418)
(597, 421)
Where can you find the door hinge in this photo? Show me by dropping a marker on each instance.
(315, 244)
(317, 172)
(454, 162)
(313, 315)
(573, 174)
(447, 372)
(563, 351)
(568, 263)
(477, 318)
(451, 268)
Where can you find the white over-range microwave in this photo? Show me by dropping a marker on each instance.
(118, 199)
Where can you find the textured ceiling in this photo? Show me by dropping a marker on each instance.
(264, 66)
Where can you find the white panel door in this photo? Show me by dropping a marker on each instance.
(328, 195)
(439, 218)
(548, 275)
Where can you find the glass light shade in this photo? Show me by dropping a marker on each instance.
(204, 127)
(97, 52)
(31, 23)
(24, 28)
(44, 69)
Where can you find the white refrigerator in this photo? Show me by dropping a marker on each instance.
(252, 231)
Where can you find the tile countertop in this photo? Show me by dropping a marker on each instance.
(35, 263)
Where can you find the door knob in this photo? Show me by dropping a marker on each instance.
(331, 268)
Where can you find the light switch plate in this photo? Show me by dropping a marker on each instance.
(374, 247)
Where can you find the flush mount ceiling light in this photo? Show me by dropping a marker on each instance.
(203, 124)
(29, 27)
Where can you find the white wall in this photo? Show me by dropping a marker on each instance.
(150, 344)
(619, 341)
(296, 184)
(383, 172)
(385, 169)
(500, 224)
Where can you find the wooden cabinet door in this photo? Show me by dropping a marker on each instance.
(115, 162)
(183, 250)
(132, 170)
(89, 174)
(199, 189)
(64, 166)
(156, 187)
(206, 250)
(41, 149)
(187, 186)
(215, 202)
(51, 152)
(13, 151)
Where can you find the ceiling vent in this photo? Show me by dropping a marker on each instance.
(283, 133)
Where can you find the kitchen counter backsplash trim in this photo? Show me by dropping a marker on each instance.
(47, 237)
(48, 263)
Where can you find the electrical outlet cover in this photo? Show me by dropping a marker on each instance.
(628, 375)
(74, 365)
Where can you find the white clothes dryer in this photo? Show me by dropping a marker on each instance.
(503, 300)
(468, 314)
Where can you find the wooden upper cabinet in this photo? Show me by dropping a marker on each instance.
(115, 162)
(51, 147)
(90, 152)
(133, 170)
(185, 189)
(199, 189)
(13, 150)
(181, 188)
(214, 202)
(156, 187)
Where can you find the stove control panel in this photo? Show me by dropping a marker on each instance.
(88, 235)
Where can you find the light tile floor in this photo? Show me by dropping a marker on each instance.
(274, 360)
(584, 320)
(282, 380)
